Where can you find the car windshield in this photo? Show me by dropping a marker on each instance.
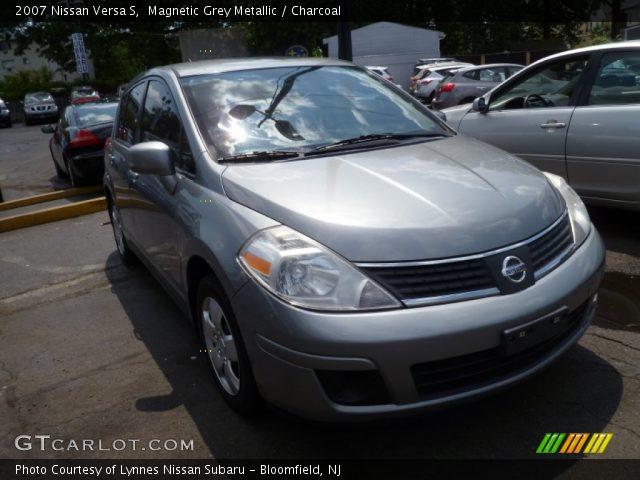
(38, 97)
(90, 114)
(298, 108)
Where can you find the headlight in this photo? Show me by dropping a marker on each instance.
(304, 273)
(580, 222)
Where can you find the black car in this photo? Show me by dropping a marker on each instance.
(5, 114)
(78, 140)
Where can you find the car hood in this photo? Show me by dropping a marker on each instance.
(438, 199)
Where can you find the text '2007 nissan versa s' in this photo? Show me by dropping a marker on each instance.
(343, 253)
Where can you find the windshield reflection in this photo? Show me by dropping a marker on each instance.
(297, 108)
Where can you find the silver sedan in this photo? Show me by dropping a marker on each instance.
(574, 114)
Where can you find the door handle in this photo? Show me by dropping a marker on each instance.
(553, 124)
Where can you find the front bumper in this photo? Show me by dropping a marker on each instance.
(47, 115)
(290, 348)
(88, 166)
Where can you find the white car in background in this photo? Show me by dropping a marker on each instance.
(384, 73)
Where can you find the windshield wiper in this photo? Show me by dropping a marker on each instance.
(372, 137)
(260, 156)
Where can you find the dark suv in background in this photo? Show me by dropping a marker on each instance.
(40, 106)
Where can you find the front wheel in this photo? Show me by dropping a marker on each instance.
(225, 349)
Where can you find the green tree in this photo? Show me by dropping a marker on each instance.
(16, 85)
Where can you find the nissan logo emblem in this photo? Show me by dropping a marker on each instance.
(514, 269)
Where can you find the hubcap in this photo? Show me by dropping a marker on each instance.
(221, 346)
(117, 229)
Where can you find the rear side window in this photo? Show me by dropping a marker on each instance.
(161, 122)
(492, 75)
(128, 118)
(617, 81)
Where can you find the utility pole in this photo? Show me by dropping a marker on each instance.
(345, 52)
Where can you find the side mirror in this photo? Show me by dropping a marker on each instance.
(154, 158)
(241, 112)
(440, 115)
(48, 129)
(151, 158)
(287, 130)
(480, 105)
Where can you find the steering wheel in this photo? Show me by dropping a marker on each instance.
(534, 100)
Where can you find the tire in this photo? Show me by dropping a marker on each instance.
(75, 182)
(127, 257)
(61, 173)
(27, 122)
(225, 349)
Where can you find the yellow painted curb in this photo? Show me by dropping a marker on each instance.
(53, 214)
(47, 197)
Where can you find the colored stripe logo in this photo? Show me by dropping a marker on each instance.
(574, 443)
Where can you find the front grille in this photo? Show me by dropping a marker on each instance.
(552, 244)
(467, 372)
(434, 280)
(430, 282)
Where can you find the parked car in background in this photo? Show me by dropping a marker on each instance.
(77, 144)
(464, 85)
(427, 83)
(574, 114)
(427, 61)
(40, 106)
(83, 94)
(382, 71)
(420, 70)
(342, 252)
(5, 114)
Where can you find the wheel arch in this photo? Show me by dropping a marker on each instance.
(196, 269)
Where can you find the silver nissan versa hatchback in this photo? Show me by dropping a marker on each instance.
(343, 253)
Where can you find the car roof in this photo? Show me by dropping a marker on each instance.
(488, 65)
(443, 65)
(92, 103)
(235, 64)
(595, 48)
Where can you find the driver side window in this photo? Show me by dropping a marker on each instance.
(549, 86)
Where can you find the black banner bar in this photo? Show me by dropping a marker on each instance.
(314, 469)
